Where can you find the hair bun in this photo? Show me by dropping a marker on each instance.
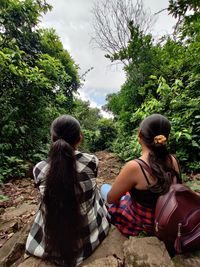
(160, 139)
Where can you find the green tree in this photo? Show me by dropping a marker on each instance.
(162, 77)
(51, 45)
(105, 134)
(37, 82)
(87, 116)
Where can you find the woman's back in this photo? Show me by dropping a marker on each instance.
(72, 219)
(141, 188)
(95, 214)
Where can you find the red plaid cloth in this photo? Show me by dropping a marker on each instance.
(131, 218)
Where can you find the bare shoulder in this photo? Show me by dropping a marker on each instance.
(131, 165)
(130, 171)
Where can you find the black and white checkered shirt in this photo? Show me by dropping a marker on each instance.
(93, 208)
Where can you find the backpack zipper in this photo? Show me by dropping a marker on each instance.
(179, 229)
(177, 243)
(161, 212)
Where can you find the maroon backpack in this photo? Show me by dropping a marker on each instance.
(177, 217)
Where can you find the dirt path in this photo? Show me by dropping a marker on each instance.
(109, 166)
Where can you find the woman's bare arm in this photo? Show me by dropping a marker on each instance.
(124, 182)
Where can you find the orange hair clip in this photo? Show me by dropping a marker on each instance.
(160, 139)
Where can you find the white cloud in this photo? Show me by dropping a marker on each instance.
(84, 96)
(73, 23)
(72, 20)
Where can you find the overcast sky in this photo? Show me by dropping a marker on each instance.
(72, 20)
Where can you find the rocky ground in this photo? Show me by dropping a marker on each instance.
(17, 209)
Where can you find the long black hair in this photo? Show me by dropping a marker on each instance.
(62, 195)
(154, 131)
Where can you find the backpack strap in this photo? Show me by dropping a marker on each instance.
(143, 165)
(178, 175)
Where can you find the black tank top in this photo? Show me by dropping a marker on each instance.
(146, 197)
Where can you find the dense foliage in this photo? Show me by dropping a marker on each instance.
(38, 79)
(98, 132)
(163, 76)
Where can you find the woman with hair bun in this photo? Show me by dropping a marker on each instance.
(72, 218)
(135, 191)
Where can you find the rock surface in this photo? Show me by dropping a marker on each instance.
(109, 253)
(14, 247)
(13, 212)
(104, 262)
(111, 246)
(35, 262)
(187, 260)
(148, 252)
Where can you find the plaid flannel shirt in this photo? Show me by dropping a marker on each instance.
(97, 224)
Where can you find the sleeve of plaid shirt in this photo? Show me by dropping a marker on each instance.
(96, 216)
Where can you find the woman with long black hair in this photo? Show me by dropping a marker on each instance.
(72, 219)
(135, 191)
